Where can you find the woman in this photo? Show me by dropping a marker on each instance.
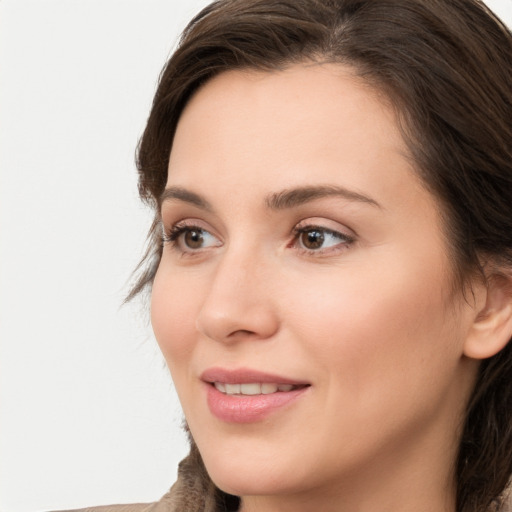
(331, 256)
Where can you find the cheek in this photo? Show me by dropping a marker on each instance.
(374, 330)
(384, 352)
(173, 306)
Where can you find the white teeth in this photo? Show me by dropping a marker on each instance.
(267, 389)
(253, 388)
(220, 386)
(233, 389)
(250, 389)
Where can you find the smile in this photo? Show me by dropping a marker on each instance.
(246, 395)
(254, 388)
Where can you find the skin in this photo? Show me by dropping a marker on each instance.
(369, 319)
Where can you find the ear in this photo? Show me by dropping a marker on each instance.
(492, 326)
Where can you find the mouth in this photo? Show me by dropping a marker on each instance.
(247, 396)
(255, 388)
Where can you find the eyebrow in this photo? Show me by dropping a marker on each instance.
(283, 200)
(187, 196)
(297, 196)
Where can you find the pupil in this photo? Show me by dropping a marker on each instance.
(194, 239)
(313, 239)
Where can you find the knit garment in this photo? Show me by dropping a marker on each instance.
(193, 491)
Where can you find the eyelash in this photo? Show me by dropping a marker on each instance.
(172, 236)
(344, 240)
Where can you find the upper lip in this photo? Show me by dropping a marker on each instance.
(246, 376)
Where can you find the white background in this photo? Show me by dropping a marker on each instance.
(88, 413)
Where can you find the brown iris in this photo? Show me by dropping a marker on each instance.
(194, 238)
(312, 239)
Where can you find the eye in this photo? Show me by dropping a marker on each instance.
(320, 239)
(190, 238)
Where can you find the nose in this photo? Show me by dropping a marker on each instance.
(239, 304)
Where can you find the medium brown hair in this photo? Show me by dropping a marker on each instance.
(446, 65)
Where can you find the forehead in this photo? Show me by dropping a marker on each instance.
(305, 100)
(309, 122)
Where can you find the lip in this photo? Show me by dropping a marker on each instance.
(248, 408)
(246, 376)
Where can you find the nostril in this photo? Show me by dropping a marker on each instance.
(243, 332)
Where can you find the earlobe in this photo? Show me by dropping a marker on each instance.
(492, 326)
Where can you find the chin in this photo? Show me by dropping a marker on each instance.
(246, 476)
(252, 483)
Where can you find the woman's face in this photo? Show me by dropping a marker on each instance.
(304, 300)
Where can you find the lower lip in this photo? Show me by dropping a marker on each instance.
(248, 408)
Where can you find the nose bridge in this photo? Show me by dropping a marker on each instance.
(238, 303)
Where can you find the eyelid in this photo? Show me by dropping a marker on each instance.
(326, 225)
(346, 236)
(171, 235)
(168, 227)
